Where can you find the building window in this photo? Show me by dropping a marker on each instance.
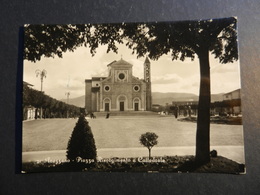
(107, 88)
(136, 88)
(121, 76)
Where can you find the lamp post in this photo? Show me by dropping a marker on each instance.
(42, 74)
(68, 96)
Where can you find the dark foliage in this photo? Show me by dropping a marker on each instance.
(213, 153)
(226, 103)
(81, 143)
(172, 164)
(227, 120)
(182, 39)
(52, 108)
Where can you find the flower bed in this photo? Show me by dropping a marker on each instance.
(157, 164)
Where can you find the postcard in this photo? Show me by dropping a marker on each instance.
(133, 97)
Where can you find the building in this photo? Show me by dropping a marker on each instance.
(233, 95)
(28, 110)
(185, 107)
(185, 103)
(120, 90)
(233, 100)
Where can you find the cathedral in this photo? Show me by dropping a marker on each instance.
(120, 90)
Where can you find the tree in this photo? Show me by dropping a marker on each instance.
(182, 39)
(149, 140)
(51, 40)
(81, 143)
(37, 99)
(187, 39)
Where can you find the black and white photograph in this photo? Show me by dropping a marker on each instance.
(133, 97)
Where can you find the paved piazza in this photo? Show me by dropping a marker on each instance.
(119, 136)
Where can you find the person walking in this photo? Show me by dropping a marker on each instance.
(107, 116)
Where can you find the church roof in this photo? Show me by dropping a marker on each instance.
(232, 91)
(121, 62)
(98, 78)
(111, 63)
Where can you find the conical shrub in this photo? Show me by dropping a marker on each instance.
(81, 143)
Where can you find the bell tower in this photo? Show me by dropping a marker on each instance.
(147, 72)
(147, 79)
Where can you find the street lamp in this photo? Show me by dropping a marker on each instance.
(42, 74)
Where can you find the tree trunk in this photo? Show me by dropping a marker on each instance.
(203, 121)
(149, 153)
(36, 113)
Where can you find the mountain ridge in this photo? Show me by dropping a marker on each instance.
(157, 98)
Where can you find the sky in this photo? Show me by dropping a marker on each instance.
(68, 74)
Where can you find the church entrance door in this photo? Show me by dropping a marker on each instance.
(122, 106)
(106, 107)
(136, 106)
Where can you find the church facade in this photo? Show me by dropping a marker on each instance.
(120, 90)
